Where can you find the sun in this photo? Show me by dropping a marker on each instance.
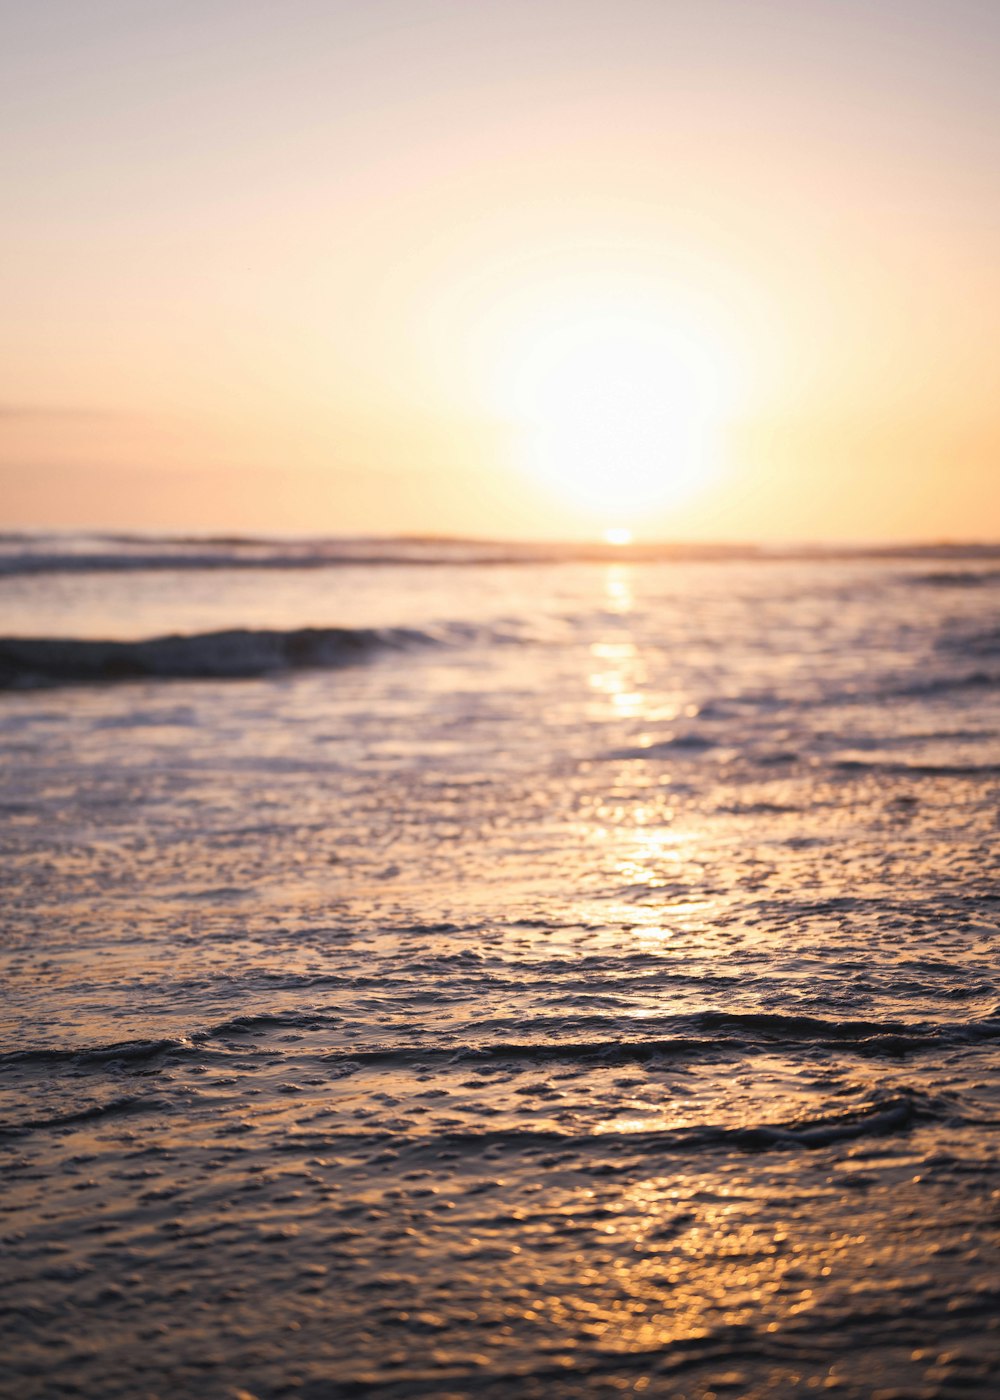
(617, 414)
(611, 384)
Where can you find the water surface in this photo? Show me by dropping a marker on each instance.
(475, 975)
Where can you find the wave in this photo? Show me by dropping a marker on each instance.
(727, 1032)
(22, 553)
(117, 554)
(955, 578)
(883, 1114)
(704, 1032)
(699, 1029)
(117, 1052)
(28, 662)
(114, 1108)
(688, 742)
(985, 643)
(941, 685)
(191, 560)
(916, 770)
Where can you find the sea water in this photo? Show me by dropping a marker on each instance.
(453, 970)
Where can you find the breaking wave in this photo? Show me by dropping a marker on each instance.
(27, 662)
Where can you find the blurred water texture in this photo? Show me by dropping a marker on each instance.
(585, 984)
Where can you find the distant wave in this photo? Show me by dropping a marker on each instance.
(977, 643)
(173, 561)
(81, 553)
(957, 578)
(122, 553)
(916, 769)
(938, 685)
(27, 662)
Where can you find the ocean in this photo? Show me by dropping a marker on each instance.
(456, 970)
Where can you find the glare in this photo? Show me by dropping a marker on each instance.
(618, 414)
(618, 536)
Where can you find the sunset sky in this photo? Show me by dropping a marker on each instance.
(719, 269)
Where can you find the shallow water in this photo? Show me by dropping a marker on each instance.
(584, 983)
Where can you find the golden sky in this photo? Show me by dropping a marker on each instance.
(718, 269)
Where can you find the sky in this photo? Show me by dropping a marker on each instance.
(721, 269)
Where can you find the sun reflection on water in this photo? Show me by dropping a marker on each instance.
(655, 855)
(618, 589)
(619, 677)
(619, 673)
